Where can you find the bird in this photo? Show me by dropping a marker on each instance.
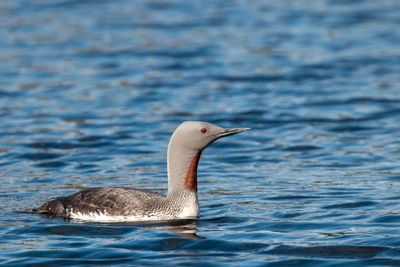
(121, 204)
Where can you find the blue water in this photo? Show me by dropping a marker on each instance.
(90, 92)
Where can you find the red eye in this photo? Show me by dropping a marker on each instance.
(203, 130)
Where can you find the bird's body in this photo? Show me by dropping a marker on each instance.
(127, 204)
(116, 204)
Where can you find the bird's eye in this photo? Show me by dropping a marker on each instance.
(203, 130)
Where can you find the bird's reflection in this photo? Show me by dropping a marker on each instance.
(185, 228)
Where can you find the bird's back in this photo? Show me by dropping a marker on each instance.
(104, 201)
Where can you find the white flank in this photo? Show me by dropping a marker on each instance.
(187, 213)
(104, 217)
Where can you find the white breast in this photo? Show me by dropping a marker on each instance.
(191, 210)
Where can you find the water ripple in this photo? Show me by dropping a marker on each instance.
(90, 92)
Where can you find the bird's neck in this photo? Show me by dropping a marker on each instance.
(182, 170)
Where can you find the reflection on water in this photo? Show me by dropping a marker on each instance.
(183, 228)
(91, 91)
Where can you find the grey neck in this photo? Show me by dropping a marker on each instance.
(179, 162)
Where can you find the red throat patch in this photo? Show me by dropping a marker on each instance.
(191, 175)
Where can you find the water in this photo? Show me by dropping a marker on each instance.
(90, 92)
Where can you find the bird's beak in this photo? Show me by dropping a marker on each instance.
(227, 132)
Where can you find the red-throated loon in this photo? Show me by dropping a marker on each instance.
(117, 204)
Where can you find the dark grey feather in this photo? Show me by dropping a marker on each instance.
(115, 201)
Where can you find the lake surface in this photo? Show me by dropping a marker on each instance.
(90, 92)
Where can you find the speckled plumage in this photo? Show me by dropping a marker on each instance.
(113, 201)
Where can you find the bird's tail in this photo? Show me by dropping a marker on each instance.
(52, 208)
